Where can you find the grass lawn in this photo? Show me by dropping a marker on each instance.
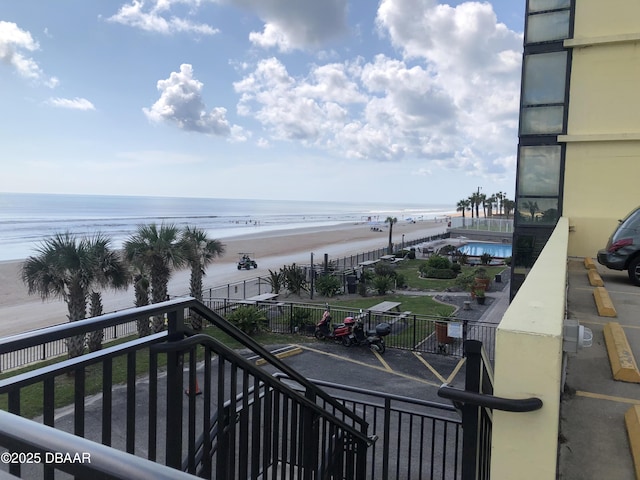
(410, 268)
(418, 304)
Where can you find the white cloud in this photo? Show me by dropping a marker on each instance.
(14, 42)
(297, 24)
(309, 109)
(181, 103)
(74, 104)
(156, 16)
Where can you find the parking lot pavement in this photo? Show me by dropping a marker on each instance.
(593, 434)
(396, 371)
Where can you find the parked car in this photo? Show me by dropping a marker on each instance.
(623, 248)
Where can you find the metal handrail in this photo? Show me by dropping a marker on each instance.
(249, 342)
(490, 401)
(96, 460)
(271, 381)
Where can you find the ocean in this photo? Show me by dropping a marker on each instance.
(27, 219)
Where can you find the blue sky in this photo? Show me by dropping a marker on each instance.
(406, 101)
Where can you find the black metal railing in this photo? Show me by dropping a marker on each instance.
(409, 331)
(243, 410)
(476, 404)
(416, 438)
(420, 333)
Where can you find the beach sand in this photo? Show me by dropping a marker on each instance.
(20, 312)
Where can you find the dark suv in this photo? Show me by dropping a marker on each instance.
(623, 247)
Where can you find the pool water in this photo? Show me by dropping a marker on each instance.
(496, 250)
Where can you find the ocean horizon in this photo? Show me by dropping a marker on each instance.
(26, 219)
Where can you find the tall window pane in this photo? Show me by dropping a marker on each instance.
(546, 27)
(544, 78)
(539, 170)
(542, 5)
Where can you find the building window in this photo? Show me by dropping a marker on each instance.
(547, 27)
(539, 170)
(543, 5)
(544, 78)
(542, 120)
(537, 211)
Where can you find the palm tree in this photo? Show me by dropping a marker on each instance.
(462, 206)
(390, 221)
(157, 249)
(532, 207)
(199, 251)
(509, 205)
(110, 271)
(64, 267)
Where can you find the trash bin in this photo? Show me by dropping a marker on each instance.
(351, 283)
(498, 278)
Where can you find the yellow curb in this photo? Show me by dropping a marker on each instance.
(603, 303)
(623, 364)
(594, 278)
(632, 420)
(288, 353)
(589, 263)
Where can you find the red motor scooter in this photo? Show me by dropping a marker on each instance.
(338, 333)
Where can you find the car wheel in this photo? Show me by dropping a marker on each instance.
(634, 271)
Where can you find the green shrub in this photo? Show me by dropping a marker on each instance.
(485, 258)
(328, 285)
(456, 267)
(442, 273)
(401, 281)
(384, 269)
(466, 280)
(249, 319)
(301, 316)
(295, 279)
(276, 280)
(438, 261)
(382, 284)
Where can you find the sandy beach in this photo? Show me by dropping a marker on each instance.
(21, 312)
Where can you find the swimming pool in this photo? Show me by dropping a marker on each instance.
(496, 250)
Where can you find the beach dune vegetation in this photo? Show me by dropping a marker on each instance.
(159, 250)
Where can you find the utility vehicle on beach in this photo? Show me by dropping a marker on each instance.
(246, 262)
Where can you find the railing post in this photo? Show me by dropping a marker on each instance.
(174, 391)
(472, 441)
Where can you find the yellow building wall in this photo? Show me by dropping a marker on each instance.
(602, 164)
(596, 18)
(528, 364)
(601, 186)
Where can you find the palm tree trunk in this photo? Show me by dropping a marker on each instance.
(159, 282)
(94, 339)
(77, 305)
(195, 285)
(141, 288)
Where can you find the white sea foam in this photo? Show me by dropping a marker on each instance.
(27, 219)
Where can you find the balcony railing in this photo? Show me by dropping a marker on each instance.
(247, 425)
